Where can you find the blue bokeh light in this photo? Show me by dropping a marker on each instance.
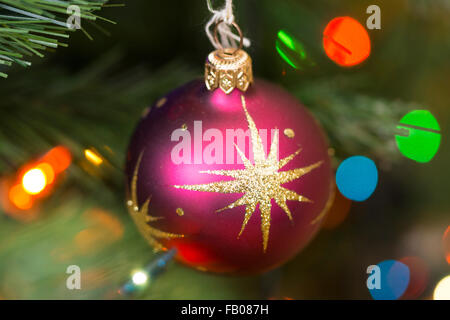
(395, 278)
(357, 178)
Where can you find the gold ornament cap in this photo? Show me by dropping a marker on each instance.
(228, 68)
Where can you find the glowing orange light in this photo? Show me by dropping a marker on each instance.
(35, 177)
(338, 212)
(346, 41)
(34, 181)
(446, 244)
(20, 198)
(59, 158)
(48, 171)
(93, 157)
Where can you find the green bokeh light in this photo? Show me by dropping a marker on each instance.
(423, 138)
(291, 50)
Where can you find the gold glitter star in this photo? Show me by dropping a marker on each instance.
(260, 182)
(141, 217)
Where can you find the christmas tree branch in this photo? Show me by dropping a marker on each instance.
(356, 123)
(29, 27)
(39, 115)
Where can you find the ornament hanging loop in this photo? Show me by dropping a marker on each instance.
(227, 68)
(238, 29)
(224, 15)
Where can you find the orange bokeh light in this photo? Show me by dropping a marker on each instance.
(20, 198)
(33, 179)
(59, 158)
(48, 171)
(446, 244)
(338, 212)
(346, 41)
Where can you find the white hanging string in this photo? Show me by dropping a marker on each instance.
(228, 39)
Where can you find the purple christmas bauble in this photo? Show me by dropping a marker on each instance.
(237, 183)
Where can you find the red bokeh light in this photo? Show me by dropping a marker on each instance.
(446, 244)
(418, 277)
(193, 254)
(346, 41)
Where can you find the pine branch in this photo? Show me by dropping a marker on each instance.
(39, 115)
(356, 123)
(106, 105)
(29, 27)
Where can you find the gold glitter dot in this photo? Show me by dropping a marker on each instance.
(161, 102)
(180, 212)
(184, 126)
(199, 268)
(289, 133)
(129, 203)
(331, 152)
(145, 112)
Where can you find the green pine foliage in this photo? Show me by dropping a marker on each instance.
(30, 27)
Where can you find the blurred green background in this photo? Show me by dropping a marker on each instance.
(91, 95)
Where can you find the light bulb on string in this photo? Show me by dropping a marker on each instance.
(34, 180)
(94, 157)
(140, 279)
(442, 290)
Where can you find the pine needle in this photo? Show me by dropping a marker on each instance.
(28, 27)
